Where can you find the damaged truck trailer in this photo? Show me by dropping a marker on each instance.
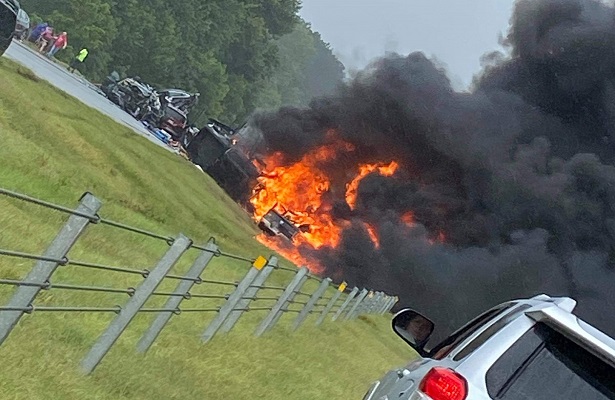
(226, 163)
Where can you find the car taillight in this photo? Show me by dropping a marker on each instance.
(444, 384)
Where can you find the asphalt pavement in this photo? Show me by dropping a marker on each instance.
(74, 85)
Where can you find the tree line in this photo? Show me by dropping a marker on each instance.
(240, 55)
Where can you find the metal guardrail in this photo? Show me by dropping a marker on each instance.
(343, 304)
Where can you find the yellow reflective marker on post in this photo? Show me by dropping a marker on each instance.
(259, 263)
(342, 287)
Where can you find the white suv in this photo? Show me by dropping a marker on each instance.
(532, 349)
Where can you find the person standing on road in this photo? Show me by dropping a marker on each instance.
(46, 39)
(60, 43)
(78, 60)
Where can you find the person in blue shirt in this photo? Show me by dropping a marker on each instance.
(37, 32)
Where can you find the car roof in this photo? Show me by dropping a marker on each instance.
(562, 306)
(177, 91)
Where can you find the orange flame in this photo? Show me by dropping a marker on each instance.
(297, 191)
(373, 235)
(290, 252)
(364, 170)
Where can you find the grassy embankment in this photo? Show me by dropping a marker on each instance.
(55, 148)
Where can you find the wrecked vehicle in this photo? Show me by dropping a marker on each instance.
(139, 99)
(22, 28)
(226, 163)
(179, 99)
(275, 224)
(9, 9)
(524, 349)
(221, 128)
(173, 121)
(111, 89)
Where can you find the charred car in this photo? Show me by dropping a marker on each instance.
(9, 9)
(275, 223)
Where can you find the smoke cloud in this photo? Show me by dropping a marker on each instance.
(511, 186)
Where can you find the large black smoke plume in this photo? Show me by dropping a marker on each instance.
(518, 175)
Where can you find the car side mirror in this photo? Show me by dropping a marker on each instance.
(414, 328)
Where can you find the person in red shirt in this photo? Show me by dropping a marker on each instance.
(60, 43)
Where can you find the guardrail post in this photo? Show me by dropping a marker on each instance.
(324, 285)
(393, 302)
(331, 303)
(367, 304)
(43, 270)
(233, 299)
(290, 300)
(364, 303)
(340, 310)
(356, 304)
(182, 291)
(375, 303)
(383, 304)
(249, 295)
(270, 319)
(388, 305)
(129, 311)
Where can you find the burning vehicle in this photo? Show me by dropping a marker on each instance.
(289, 201)
(9, 9)
(231, 157)
(275, 224)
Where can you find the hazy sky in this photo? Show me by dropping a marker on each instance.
(457, 32)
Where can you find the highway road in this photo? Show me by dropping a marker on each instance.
(74, 85)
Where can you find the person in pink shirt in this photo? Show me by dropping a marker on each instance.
(60, 43)
(46, 40)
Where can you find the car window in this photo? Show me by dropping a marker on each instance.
(449, 344)
(544, 365)
(489, 332)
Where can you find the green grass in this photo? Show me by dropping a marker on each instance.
(55, 148)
